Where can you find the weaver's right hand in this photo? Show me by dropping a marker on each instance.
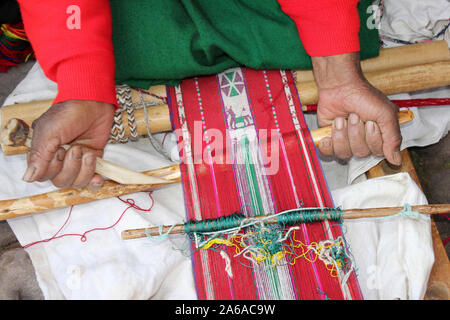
(86, 126)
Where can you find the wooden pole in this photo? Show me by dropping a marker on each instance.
(408, 79)
(396, 57)
(14, 208)
(346, 215)
(404, 116)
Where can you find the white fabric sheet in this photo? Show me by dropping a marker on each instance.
(393, 255)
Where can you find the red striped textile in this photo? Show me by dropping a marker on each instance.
(245, 146)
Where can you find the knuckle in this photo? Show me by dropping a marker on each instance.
(80, 185)
(343, 153)
(59, 183)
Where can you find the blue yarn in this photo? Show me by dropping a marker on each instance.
(407, 212)
(162, 237)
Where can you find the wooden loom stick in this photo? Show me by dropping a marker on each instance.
(396, 57)
(158, 119)
(17, 132)
(404, 116)
(392, 81)
(66, 197)
(408, 79)
(346, 214)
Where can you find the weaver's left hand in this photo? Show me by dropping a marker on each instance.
(363, 119)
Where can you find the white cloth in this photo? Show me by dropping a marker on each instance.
(393, 255)
(104, 266)
(415, 20)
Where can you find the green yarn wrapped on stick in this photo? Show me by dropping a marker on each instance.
(285, 218)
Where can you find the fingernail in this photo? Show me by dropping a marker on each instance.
(397, 157)
(353, 118)
(95, 186)
(60, 155)
(29, 173)
(77, 153)
(339, 123)
(89, 160)
(370, 127)
(325, 143)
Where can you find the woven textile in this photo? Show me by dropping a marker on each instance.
(245, 147)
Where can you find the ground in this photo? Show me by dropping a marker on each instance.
(17, 278)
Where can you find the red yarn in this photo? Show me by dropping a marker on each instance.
(446, 241)
(406, 103)
(131, 204)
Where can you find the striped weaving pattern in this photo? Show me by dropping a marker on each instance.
(244, 146)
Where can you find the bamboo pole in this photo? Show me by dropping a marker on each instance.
(346, 215)
(408, 79)
(397, 57)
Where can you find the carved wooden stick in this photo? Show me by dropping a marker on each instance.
(67, 197)
(346, 214)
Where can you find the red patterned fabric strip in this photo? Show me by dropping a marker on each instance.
(245, 146)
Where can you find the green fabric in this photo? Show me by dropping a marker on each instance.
(164, 41)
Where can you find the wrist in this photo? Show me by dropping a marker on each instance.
(337, 70)
(87, 77)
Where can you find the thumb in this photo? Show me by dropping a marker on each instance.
(392, 139)
(42, 151)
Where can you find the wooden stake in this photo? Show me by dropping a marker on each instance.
(346, 214)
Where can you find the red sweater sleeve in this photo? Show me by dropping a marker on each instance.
(72, 40)
(325, 27)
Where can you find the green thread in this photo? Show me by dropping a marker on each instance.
(212, 225)
(285, 218)
(292, 217)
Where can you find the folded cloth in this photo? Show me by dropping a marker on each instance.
(405, 21)
(393, 255)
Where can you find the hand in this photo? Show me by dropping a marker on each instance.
(86, 125)
(363, 119)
